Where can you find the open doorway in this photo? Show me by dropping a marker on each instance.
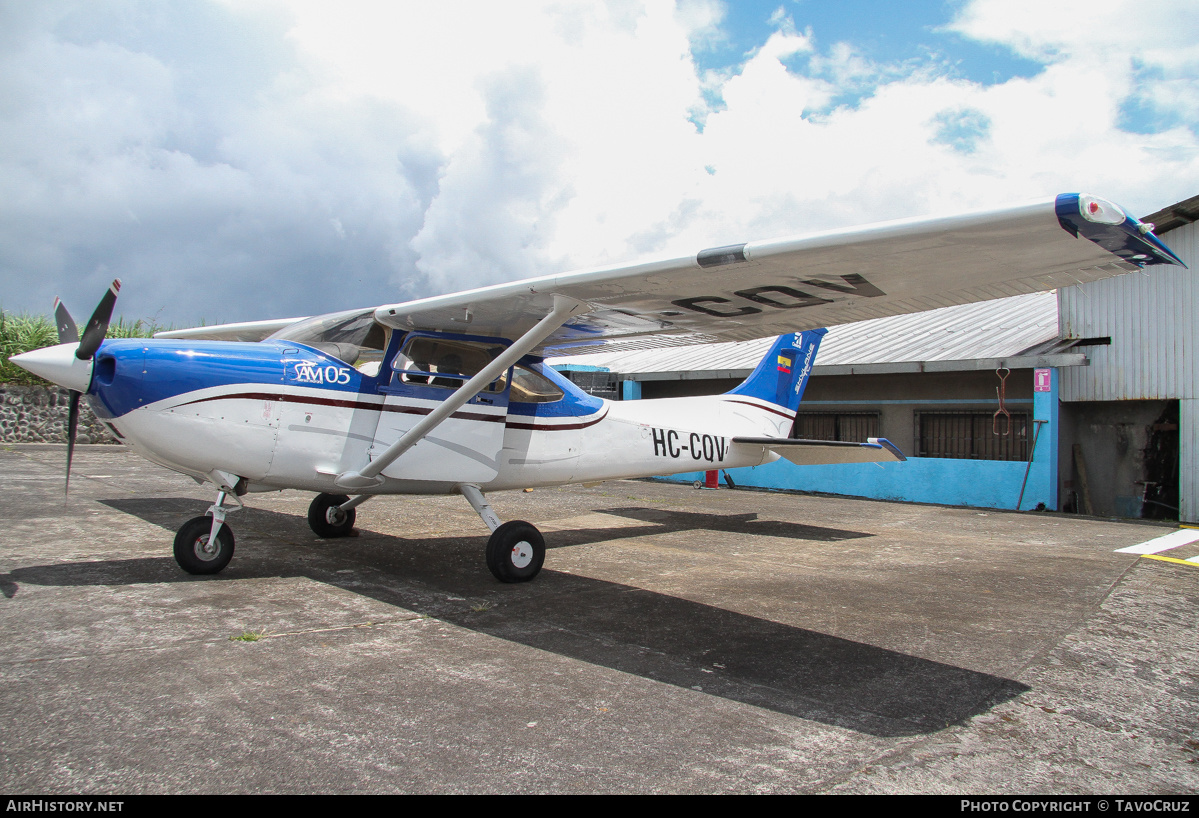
(1161, 467)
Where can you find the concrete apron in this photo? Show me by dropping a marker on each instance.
(677, 641)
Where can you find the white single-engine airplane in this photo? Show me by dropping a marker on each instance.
(451, 394)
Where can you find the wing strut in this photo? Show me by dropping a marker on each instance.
(564, 309)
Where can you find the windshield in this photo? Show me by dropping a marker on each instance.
(354, 337)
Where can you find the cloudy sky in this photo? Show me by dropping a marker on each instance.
(253, 159)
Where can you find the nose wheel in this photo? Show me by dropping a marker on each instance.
(204, 545)
(198, 552)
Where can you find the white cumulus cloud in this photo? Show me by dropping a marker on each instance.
(237, 161)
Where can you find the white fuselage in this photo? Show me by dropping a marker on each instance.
(305, 439)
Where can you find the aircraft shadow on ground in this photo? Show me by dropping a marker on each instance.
(665, 520)
(675, 641)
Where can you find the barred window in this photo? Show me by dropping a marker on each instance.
(599, 384)
(971, 435)
(851, 427)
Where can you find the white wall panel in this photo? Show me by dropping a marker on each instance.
(1188, 461)
(1151, 319)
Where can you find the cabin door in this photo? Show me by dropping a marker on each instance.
(426, 370)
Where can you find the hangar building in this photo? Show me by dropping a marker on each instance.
(1081, 400)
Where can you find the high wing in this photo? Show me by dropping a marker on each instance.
(757, 289)
(244, 331)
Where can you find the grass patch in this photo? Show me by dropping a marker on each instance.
(23, 332)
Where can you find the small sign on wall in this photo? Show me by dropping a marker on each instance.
(1041, 380)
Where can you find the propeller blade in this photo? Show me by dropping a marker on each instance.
(67, 331)
(72, 427)
(97, 327)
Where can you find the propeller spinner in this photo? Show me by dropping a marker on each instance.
(70, 363)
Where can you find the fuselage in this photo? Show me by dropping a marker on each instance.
(282, 414)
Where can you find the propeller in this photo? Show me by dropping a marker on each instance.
(67, 333)
(93, 336)
(97, 325)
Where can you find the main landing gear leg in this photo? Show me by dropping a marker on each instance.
(516, 549)
(332, 515)
(204, 545)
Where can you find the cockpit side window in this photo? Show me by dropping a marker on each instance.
(445, 362)
(354, 337)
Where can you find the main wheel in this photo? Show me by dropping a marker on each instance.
(515, 552)
(195, 554)
(327, 520)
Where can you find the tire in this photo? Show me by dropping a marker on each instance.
(328, 521)
(515, 552)
(191, 547)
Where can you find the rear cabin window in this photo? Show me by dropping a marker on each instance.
(530, 387)
(444, 363)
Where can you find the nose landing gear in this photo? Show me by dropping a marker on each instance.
(197, 552)
(204, 545)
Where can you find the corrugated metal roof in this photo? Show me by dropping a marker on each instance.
(1175, 216)
(1002, 328)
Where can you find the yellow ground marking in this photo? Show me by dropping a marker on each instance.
(1169, 559)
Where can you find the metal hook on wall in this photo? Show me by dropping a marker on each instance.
(1001, 393)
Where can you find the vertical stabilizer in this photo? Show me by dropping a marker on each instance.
(782, 375)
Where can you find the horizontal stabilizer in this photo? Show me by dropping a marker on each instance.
(826, 452)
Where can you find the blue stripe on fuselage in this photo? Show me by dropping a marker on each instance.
(133, 373)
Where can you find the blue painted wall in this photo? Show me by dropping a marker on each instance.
(979, 483)
(1045, 407)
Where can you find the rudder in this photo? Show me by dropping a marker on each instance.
(782, 375)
